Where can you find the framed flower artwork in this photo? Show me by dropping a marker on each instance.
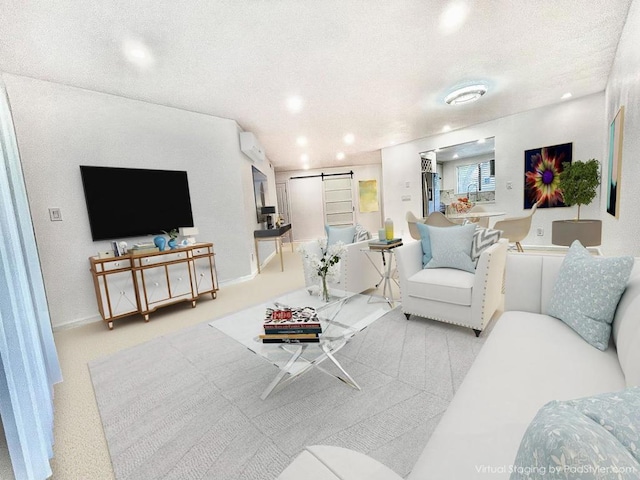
(542, 167)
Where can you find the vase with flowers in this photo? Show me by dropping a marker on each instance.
(325, 264)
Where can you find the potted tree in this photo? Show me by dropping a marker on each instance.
(579, 182)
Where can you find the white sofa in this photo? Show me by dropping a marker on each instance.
(450, 295)
(357, 273)
(528, 360)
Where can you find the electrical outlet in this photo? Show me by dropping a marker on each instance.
(55, 215)
(509, 185)
(540, 231)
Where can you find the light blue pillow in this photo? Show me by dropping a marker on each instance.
(339, 234)
(426, 243)
(451, 247)
(566, 440)
(587, 291)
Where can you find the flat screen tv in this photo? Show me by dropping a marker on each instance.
(131, 202)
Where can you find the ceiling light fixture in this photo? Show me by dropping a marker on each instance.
(566, 96)
(446, 128)
(340, 156)
(466, 94)
(453, 16)
(137, 52)
(302, 141)
(304, 158)
(305, 166)
(349, 138)
(294, 104)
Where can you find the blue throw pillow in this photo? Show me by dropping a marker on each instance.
(426, 243)
(588, 438)
(339, 234)
(587, 291)
(451, 247)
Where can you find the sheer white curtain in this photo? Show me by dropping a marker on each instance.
(28, 360)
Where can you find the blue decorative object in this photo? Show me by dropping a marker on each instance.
(173, 243)
(160, 242)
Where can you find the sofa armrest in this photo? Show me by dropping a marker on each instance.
(487, 285)
(408, 262)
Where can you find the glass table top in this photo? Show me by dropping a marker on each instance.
(341, 318)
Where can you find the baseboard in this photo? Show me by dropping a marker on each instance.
(77, 323)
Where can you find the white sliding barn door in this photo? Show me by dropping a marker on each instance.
(307, 217)
(338, 201)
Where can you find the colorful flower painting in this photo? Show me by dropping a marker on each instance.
(615, 163)
(542, 167)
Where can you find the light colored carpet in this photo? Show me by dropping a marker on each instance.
(187, 405)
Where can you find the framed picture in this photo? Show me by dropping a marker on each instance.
(259, 191)
(615, 163)
(368, 195)
(542, 167)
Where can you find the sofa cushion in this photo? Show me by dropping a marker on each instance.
(626, 329)
(446, 285)
(528, 359)
(360, 234)
(425, 242)
(586, 293)
(567, 439)
(483, 238)
(340, 234)
(451, 247)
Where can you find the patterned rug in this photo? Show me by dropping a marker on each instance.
(187, 405)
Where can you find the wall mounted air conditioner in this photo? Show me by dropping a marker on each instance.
(250, 146)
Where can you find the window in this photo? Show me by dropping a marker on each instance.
(477, 177)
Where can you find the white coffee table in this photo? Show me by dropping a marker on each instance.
(344, 316)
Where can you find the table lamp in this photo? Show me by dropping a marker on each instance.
(268, 211)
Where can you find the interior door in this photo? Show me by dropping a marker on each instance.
(283, 201)
(307, 217)
(338, 201)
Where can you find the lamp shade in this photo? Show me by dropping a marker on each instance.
(267, 210)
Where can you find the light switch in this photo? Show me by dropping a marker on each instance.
(509, 185)
(406, 198)
(407, 184)
(55, 215)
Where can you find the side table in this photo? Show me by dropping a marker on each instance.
(273, 234)
(385, 248)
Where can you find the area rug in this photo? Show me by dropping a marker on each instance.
(187, 405)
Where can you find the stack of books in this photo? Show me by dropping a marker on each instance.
(291, 325)
(396, 242)
(139, 248)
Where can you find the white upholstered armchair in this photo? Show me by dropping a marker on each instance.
(450, 295)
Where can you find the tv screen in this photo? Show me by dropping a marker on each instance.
(131, 202)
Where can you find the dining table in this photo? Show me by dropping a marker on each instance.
(468, 215)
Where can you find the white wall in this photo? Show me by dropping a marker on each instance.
(372, 221)
(59, 128)
(578, 121)
(622, 234)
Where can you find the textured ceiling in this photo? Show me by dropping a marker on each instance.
(378, 69)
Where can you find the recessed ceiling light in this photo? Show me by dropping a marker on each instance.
(453, 16)
(466, 94)
(302, 141)
(482, 140)
(455, 155)
(294, 104)
(137, 53)
(566, 95)
(446, 128)
(340, 156)
(304, 158)
(305, 166)
(349, 138)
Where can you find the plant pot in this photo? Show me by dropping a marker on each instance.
(564, 232)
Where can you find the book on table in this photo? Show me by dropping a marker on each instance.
(291, 325)
(385, 243)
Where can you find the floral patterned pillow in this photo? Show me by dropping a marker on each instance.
(587, 291)
(586, 439)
